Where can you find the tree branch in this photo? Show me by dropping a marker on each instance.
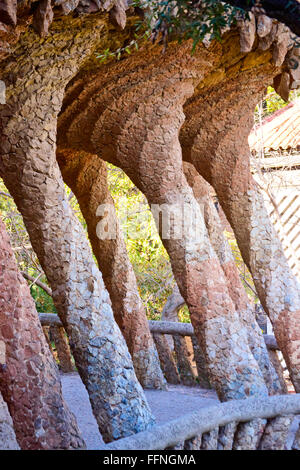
(37, 282)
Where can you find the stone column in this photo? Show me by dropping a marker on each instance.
(215, 140)
(8, 439)
(29, 378)
(201, 190)
(62, 347)
(86, 175)
(35, 78)
(166, 359)
(170, 311)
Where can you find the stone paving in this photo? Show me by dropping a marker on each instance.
(165, 405)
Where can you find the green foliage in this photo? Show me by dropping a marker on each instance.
(128, 49)
(272, 102)
(43, 301)
(187, 19)
(25, 256)
(184, 315)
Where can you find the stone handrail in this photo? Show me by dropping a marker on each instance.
(195, 424)
(180, 354)
(50, 319)
(156, 327)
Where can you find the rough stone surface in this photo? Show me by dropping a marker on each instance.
(8, 439)
(62, 348)
(248, 437)
(171, 91)
(86, 175)
(215, 139)
(226, 436)
(273, 355)
(177, 343)
(165, 405)
(29, 379)
(210, 440)
(203, 378)
(236, 289)
(185, 370)
(8, 12)
(43, 17)
(207, 421)
(170, 311)
(247, 33)
(296, 442)
(263, 25)
(166, 358)
(276, 433)
(35, 78)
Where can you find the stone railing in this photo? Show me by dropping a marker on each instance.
(216, 428)
(180, 354)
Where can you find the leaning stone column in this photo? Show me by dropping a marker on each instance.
(86, 175)
(62, 347)
(8, 439)
(221, 155)
(29, 378)
(143, 140)
(35, 77)
(201, 190)
(166, 359)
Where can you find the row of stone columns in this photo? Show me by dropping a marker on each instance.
(28, 165)
(236, 290)
(152, 111)
(146, 140)
(152, 102)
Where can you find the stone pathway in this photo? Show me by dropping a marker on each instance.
(165, 405)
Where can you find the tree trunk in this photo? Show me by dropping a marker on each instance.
(29, 168)
(86, 175)
(30, 381)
